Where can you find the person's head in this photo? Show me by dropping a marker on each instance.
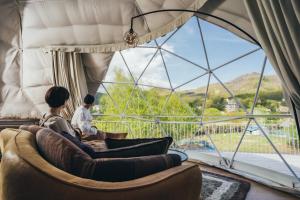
(89, 100)
(57, 96)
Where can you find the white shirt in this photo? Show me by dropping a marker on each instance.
(82, 119)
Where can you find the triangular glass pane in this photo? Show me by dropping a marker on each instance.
(137, 59)
(181, 71)
(156, 74)
(145, 129)
(100, 94)
(139, 105)
(105, 104)
(241, 77)
(255, 149)
(116, 68)
(222, 45)
(186, 43)
(139, 128)
(176, 106)
(155, 99)
(182, 133)
(116, 102)
(219, 102)
(157, 131)
(109, 124)
(192, 93)
(202, 143)
(270, 97)
(163, 39)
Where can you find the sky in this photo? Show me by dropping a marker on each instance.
(221, 46)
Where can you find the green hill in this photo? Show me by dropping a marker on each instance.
(245, 84)
(242, 85)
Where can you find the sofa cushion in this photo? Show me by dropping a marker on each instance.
(84, 147)
(67, 156)
(124, 169)
(61, 152)
(147, 148)
(118, 143)
(96, 145)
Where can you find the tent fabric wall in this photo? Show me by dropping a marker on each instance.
(14, 103)
(277, 26)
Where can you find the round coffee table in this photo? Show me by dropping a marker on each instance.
(183, 156)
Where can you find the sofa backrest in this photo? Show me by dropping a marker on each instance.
(62, 153)
(31, 128)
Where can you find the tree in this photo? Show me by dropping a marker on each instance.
(217, 102)
(212, 112)
(129, 99)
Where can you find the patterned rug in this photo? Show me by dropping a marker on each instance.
(217, 187)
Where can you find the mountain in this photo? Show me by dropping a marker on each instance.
(245, 84)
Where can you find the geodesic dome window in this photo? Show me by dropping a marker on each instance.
(216, 94)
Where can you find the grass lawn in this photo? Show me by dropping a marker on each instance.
(251, 143)
(225, 142)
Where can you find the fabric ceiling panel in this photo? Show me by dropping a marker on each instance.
(13, 102)
(163, 17)
(40, 68)
(233, 11)
(77, 22)
(36, 78)
(37, 96)
(102, 22)
(16, 104)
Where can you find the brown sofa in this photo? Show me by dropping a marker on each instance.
(25, 175)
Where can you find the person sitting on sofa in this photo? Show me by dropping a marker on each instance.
(82, 119)
(57, 96)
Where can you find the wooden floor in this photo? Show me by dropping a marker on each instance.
(257, 190)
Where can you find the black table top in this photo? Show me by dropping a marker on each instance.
(182, 154)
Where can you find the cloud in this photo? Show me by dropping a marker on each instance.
(137, 59)
(225, 39)
(190, 30)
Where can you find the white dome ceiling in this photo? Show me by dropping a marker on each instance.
(87, 26)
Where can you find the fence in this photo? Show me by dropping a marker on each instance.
(222, 136)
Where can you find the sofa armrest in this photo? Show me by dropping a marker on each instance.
(124, 169)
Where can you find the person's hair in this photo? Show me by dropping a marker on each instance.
(89, 99)
(56, 96)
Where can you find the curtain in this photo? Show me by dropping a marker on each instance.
(276, 24)
(68, 72)
(96, 66)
